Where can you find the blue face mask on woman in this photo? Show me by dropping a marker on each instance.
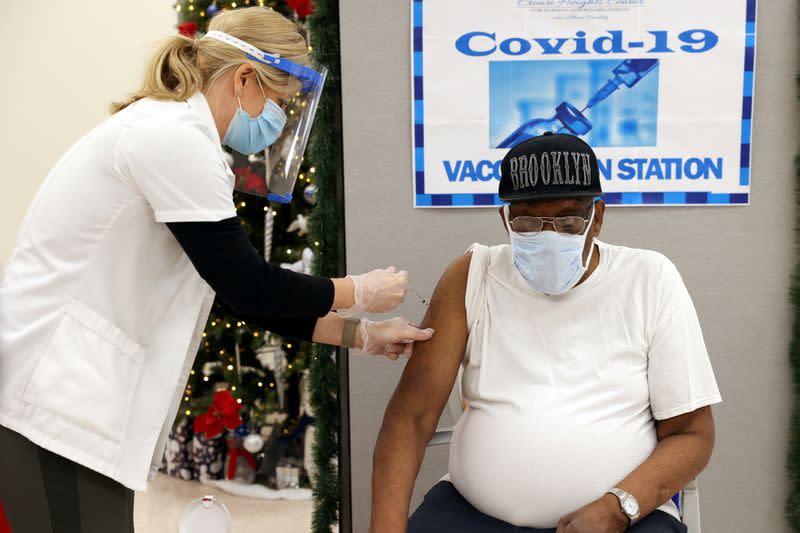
(551, 263)
(249, 135)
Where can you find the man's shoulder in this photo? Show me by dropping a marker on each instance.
(651, 267)
(626, 257)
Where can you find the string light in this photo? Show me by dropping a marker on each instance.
(185, 398)
(205, 378)
(255, 334)
(289, 346)
(233, 388)
(239, 324)
(274, 213)
(243, 204)
(289, 366)
(239, 400)
(178, 8)
(205, 334)
(228, 325)
(192, 372)
(288, 251)
(213, 323)
(316, 243)
(230, 367)
(313, 170)
(191, 7)
(188, 412)
(266, 208)
(272, 385)
(310, 48)
(233, 5)
(260, 384)
(222, 352)
(202, 13)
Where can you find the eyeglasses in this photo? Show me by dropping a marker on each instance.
(570, 225)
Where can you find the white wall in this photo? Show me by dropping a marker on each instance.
(64, 62)
(736, 261)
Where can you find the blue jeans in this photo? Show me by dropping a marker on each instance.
(446, 511)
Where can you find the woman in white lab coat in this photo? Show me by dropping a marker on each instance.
(131, 236)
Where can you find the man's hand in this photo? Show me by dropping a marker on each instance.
(600, 516)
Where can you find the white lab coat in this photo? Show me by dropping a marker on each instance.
(101, 311)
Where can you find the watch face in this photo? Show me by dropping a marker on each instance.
(630, 506)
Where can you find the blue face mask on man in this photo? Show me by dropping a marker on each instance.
(249, 135)
(550, 262)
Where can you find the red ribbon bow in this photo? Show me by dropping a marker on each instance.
(223, 413)
(233, 458)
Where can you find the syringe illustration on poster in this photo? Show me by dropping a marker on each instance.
(627, 120)
(662, 92)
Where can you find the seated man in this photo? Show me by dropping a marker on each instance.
(585, 375)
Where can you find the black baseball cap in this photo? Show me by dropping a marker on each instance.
(549, 166)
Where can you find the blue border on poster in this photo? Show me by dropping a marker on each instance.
(667, 198)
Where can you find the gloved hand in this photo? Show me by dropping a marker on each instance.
(391, 338)
(378, 291)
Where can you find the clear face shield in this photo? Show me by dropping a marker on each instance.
(284, 157)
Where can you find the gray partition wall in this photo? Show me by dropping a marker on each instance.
(735, 260)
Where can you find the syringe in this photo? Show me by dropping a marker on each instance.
(629, 72)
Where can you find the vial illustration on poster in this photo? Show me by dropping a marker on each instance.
(661, 90)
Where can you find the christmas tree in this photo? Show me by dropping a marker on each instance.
(245, 378)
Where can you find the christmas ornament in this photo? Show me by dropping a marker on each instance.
(211, 367)
(187, 29)
(223, 413)
(256, 158)
(310, 194)
(250, 181)
(303, 8)
(269, 222)
(267, 354)
(253, 443)
(300, 225)
(212, 9)
(240, 465)
(303, 266)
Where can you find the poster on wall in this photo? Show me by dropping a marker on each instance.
(661, 89)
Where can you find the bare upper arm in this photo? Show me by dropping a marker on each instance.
(430, 373)
(699, 422)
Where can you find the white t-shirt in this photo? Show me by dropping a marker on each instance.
(101, 311)
(563, 391)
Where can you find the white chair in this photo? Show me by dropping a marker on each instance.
(687, 500)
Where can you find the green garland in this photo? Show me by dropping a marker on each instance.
(793, 466)
(324, 151)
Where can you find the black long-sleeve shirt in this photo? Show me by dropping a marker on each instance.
(279, 300)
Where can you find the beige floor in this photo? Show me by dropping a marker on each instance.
(159, 509)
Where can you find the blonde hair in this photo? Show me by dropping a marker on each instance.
(182, 66)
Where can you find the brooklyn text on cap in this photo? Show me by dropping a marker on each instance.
(549, 166)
